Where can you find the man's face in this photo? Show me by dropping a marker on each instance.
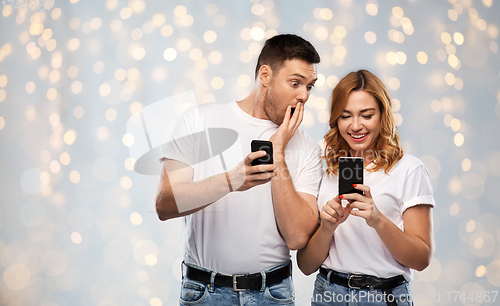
(291, 85)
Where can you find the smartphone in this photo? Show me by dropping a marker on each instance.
(263, 145)
(350, 172)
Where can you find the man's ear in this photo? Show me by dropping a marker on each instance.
(265, 74)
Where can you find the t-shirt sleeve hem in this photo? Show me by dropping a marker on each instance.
(425, 200)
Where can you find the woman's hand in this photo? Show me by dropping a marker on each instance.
(365, 205)
(332, 214)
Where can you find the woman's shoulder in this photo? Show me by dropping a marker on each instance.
(408, 163)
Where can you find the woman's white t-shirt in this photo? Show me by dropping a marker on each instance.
(356, 248)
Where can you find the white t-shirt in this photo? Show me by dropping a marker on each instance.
(356, 248)
(238, 233)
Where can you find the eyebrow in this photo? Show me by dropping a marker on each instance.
(363, 111)
(302, 77)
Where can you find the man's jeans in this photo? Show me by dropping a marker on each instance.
(198, 293)
(326, 293)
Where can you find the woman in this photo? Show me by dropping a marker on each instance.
(366, 249)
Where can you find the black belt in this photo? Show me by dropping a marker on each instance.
(239, 282)
(366, 281)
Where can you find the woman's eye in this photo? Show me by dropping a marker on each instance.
(344, 117)
(368, 117)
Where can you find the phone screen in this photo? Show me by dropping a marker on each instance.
(263, 145)
(350, 172)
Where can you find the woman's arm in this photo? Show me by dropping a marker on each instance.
(310, 258)
(412, 247)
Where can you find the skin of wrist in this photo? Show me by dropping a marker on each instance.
(327, 229)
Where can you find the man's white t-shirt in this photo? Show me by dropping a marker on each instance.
(238, 233)
(356, 248)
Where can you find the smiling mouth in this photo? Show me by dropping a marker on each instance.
(358, 136)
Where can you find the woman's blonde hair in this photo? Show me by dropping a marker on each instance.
(387, 150)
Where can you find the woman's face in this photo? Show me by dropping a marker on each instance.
(359, 123)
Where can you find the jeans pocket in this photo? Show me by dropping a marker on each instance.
(192, 292)
(281, 293)
(319, 283)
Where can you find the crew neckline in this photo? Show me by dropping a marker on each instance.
(250, 119)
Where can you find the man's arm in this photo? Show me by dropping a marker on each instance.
(296, 212)
(179, 196)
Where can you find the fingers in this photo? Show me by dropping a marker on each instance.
(297, 117)
(261, 176)
(254, 155)
(364, 188)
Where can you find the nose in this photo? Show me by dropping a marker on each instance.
(356, 125)
(303, 96)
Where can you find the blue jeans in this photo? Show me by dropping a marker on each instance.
(198, 293)
(326, 293)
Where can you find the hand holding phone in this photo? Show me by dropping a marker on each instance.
(263, 145)
(350, 172)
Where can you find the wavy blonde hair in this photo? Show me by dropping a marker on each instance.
(387, 151)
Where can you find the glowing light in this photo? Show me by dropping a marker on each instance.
(422, 57)
(74, 44)
(136, 34)
(154, 301)
(372, 8)
(170, 54)
(78, 112)
(3, 95)
(450, 49)
(135, 218)
(435, 106)
(125, 13)
(116, 25)
(257, 34)
(54, 119)
(166, 31)
(446, 38)
(394, 83)
(111, 114)
(54, 76)
(215, 57)
(453, 61)
(70, 137)
(258, 9)
(458, 38)
(454, 209)
(64, 158)
(102, 133)
(74, 177)
(54, 166)
(51, 94)
(396, 105)
(76, 87)
(217, 83)
(150, 259)
(30, 113)
(129, 164)
(449, 78)
(397, 12)
(180, 11)
(187, 20)
(326, 14)
(128, 139)
(76, 238)
(459, 139)
(95, 23)
(56, 13)
(2, 123)
(16, 276)
(126, 182)
(210, 36)
(370, 37)
(453, 15)
(244, 80)
(139, 53)
(321, 33)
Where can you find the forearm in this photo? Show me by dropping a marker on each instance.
(310, 258)
(410, 251)
(296, 219)
(181, 199)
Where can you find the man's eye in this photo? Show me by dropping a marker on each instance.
(310, 87)
(295, 83)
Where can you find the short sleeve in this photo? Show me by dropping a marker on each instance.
(418, 189)
(310, 176)
(186, 142)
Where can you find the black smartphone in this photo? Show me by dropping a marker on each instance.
(263, 145)
(350, 172)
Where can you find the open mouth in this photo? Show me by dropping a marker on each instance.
(358, 137)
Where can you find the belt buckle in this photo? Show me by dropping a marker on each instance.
(235, 282)
(349, 281)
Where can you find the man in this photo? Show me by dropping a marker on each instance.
(240, 225)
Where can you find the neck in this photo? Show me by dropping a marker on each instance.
(253, 104)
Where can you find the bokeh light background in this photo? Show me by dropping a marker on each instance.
(77, 224)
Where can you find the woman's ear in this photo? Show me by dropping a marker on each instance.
(265, 75)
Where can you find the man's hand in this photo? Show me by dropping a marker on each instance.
(245, 176)
(287, 129)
